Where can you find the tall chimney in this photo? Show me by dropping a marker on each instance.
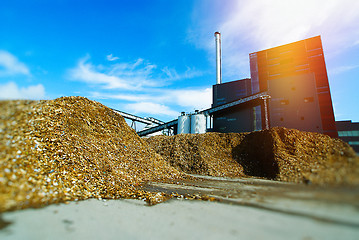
(218, 57)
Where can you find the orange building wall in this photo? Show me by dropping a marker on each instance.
(293, 59)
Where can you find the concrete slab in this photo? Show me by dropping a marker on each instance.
(250, 209)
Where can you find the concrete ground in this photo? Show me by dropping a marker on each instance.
(249, 209)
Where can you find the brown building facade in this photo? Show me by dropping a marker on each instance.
(300, 69)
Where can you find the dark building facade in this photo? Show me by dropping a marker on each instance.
(288, 65)
(236, 119)
(348, 131)
(295, 77)
(294, 103)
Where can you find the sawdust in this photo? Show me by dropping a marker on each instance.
(72, 148)
(204, 154)
(278, 154)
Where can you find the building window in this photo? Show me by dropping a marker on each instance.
(311, 50)
(273, 75)
(284, 102)
(353, 142)
(308, 99)
(348, 133)
(301, 118)
(281, 119)
(318, 55)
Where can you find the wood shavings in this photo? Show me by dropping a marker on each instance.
(278, 154)
(72, 148)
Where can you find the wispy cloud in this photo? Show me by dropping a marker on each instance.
(134, 75)
(190, 98)
(252, 25)
(126, 76)
(10, 65)
(151, 108)
(10, 90)
(154, 99)
(111, 58)
(89, 73)
(161, 101)
(140, 86)
(342, 69)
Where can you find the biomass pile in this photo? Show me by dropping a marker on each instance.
(72, 148)
(204, 154)
(279, 154)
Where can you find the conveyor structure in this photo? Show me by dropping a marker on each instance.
(260, 98)
(149, 121)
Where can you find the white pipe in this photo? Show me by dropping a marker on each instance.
(218, 57)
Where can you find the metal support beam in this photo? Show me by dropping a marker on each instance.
(147, 121)
(235, 103)
(172, 123)
(253, 98)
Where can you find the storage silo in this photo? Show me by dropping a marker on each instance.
(184, 124)
(198, 123)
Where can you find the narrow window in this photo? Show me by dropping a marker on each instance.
(284, 102)
(308, 99)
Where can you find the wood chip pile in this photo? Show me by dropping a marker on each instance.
(279, 154)
(204, 154)
(72, 148)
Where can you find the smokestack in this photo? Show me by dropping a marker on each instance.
(218, 57)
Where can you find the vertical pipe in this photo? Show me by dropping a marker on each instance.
(265, 99)
(218, 57)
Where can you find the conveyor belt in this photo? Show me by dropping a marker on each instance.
(210, 111)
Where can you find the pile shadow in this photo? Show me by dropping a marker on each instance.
(256, 154)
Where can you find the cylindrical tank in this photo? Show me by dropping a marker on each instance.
(184, 124)
(198, 123)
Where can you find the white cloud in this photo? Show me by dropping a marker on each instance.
(125, 76)
(342, 69)
(192, 99)
(186, 98)
(111, 58)
(10, 65)
(86, 72)
(163, 102)
(134, 76)
(10, 90)
(253, 25)
(139, 84)
(151, 108)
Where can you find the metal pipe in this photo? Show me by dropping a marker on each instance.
(218, 57)
(265, 99)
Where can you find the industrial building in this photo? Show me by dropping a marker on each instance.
(295, 77)
(288, 88)
(348, 131)
(238, 119)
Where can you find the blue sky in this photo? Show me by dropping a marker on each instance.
(157, 58)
